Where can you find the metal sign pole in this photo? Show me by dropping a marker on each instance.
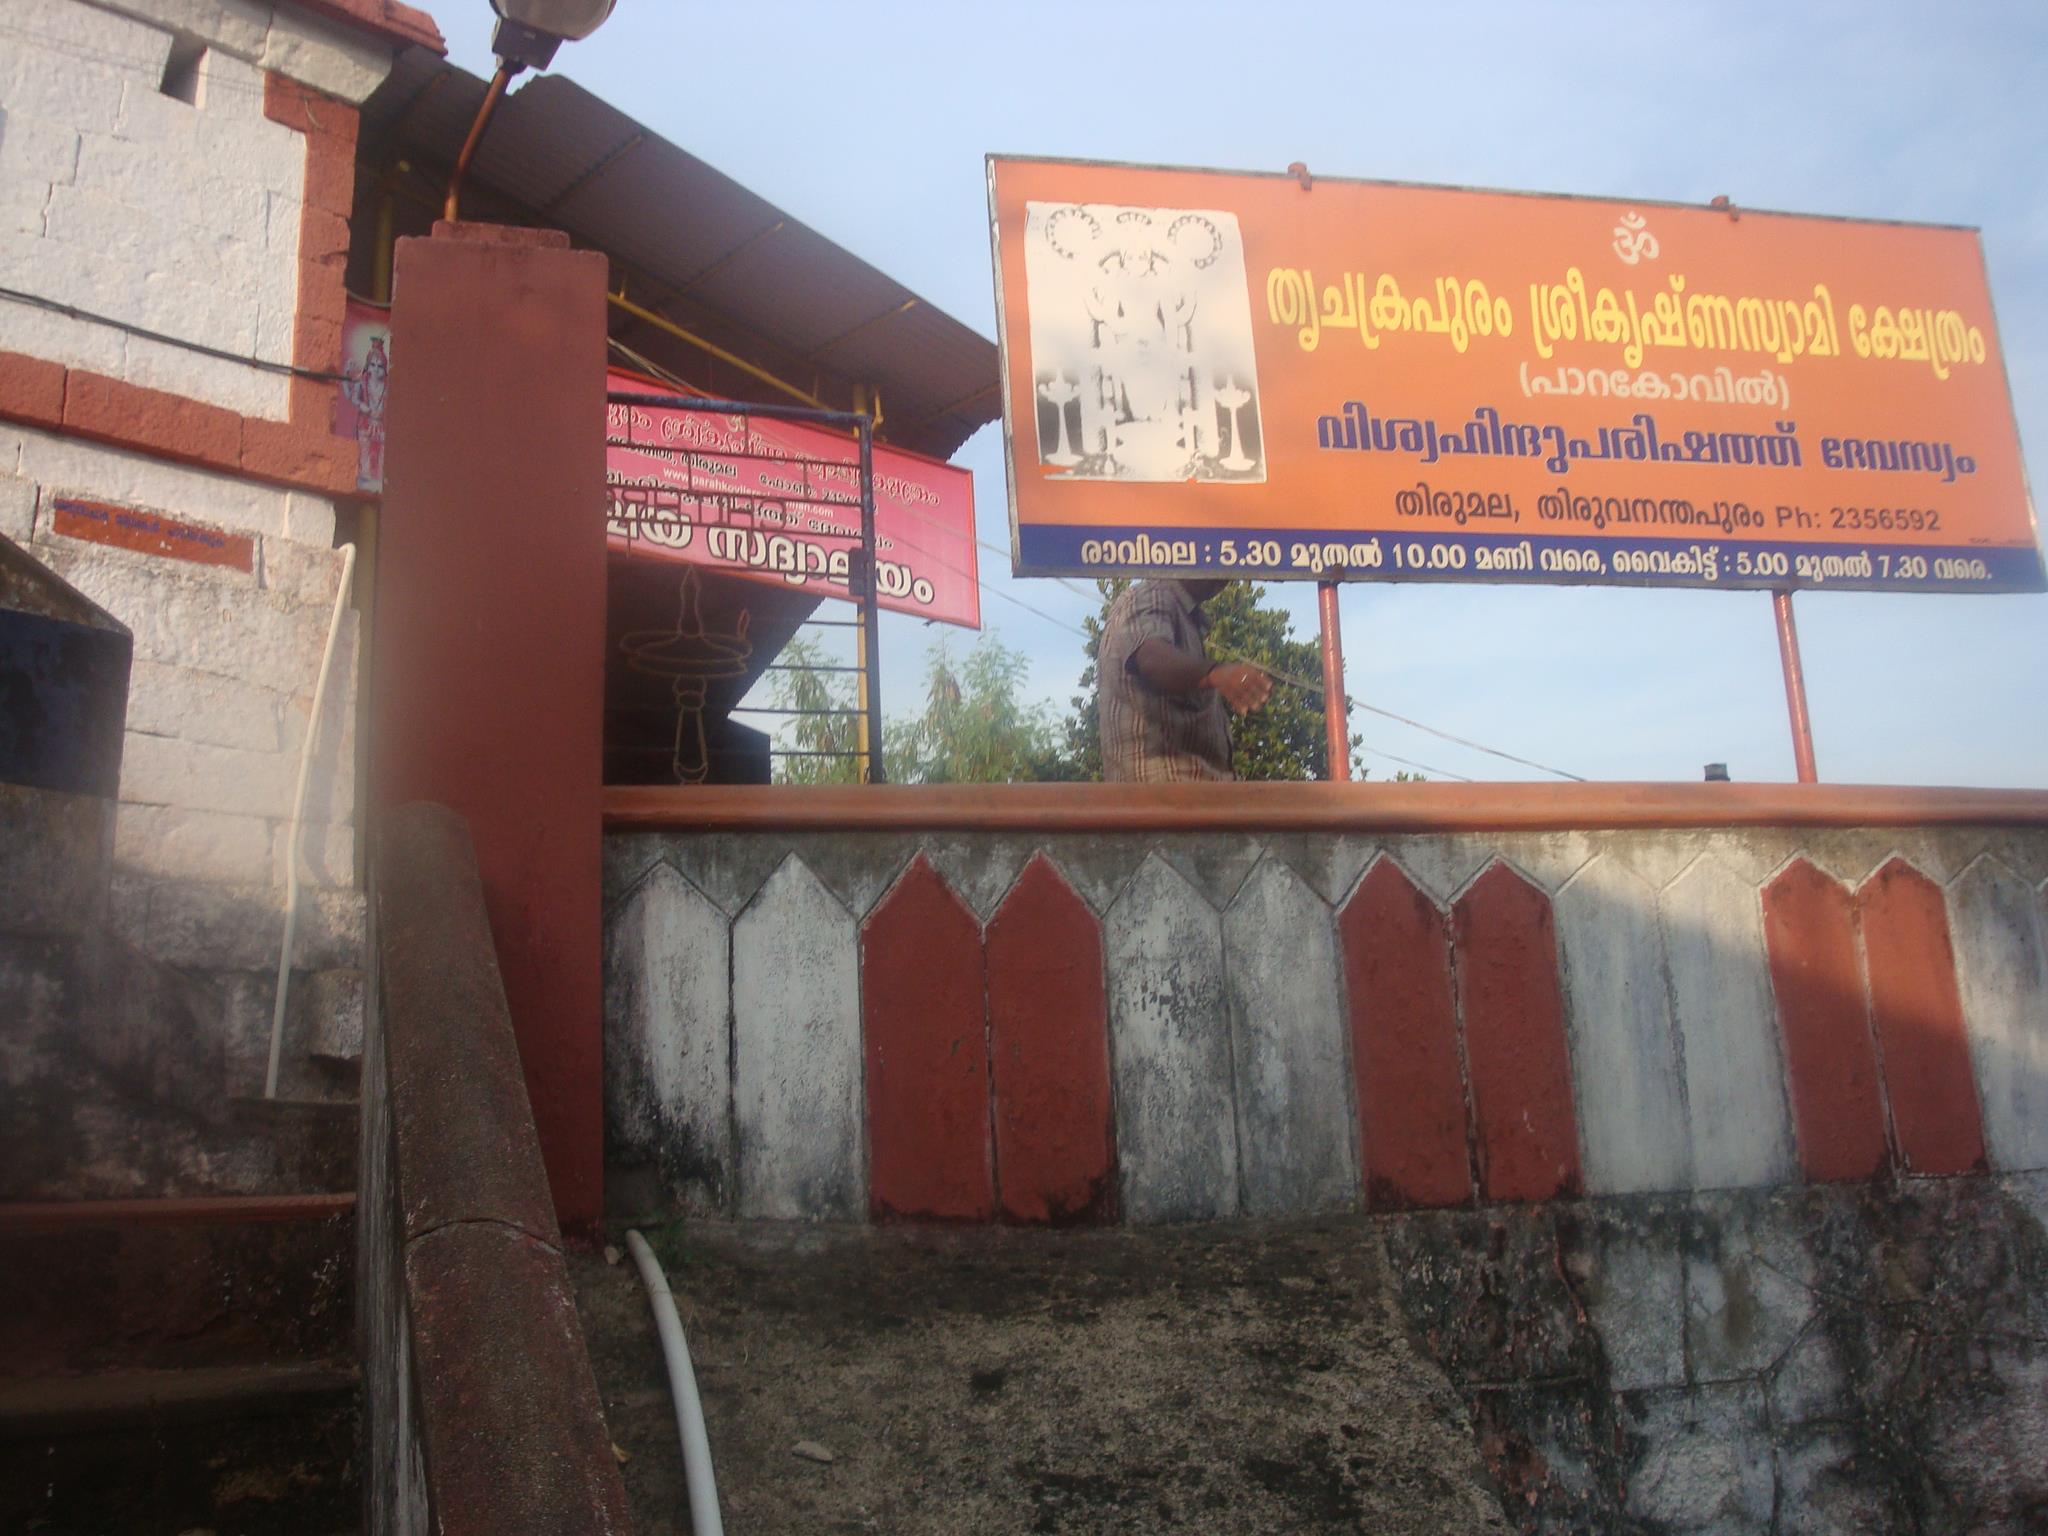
(1795, 688)
(870, 640)
(1336, 707)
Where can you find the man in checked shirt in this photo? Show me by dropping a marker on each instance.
(1159, 698)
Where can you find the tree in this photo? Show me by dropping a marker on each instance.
(802, 686)
(974, 728)
(1284, 740)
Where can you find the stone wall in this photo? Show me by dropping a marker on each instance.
(187, 167)
(1195, 1025)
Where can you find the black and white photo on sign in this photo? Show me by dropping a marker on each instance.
(1141, 343)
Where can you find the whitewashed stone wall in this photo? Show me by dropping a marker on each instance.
(225, 667)
(140, 179)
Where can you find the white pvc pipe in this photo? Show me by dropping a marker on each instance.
(682, 1381)
(291, 861)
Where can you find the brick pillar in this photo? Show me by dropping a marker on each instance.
(488, 674)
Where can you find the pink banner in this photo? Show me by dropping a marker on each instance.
(779, 501)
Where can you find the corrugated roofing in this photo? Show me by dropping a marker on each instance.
(703, 249)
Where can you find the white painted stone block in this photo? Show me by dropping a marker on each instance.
(161, 770)
(59, 86)
(75, 344)
(298, 572)
(17, 509)
(1292, 1066)
(1169, 1038)
(36, 149)
(309, 520)
(238, 26)
(170, 843)
(203, 706)
(1625, 1071)
(327, 853)
(327, 57)
(230, 87)
(81, 34)
(667, 1011)
(71, 465)
(796, 1067)
(1736, 1108)
(2001, 941)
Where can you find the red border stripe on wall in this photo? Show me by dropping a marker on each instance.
(1404, 1044)
(1049, 1051)
(922, 991)
(1505, 943)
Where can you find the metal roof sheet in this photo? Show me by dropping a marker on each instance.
(726, 262)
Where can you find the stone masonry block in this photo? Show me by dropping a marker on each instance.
(166, 421)
(22, 200)
(159, 770)
(300, 572)
(172, 843)
(230, 87)
(1707, 1462)
(203, 706)
(319, 54)
(78, 32)
(237, 26)
(72, 343)
(215, 927)
(17, 509)
(70, 465)
(60, 87)
(309, 519)
(327, 853)
(33, 149)
(232, 386)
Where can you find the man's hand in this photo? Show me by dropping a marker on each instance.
(1243, 686)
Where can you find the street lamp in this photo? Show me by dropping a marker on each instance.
(529, 32)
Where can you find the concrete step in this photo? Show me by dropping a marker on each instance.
(253, 1450)
(180, 1284)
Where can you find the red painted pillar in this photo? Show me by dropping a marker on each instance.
(487, 682)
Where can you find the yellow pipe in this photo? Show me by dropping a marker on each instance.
(662, 322)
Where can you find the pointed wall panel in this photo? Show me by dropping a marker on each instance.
(1170, 1049)
(1738, 1120)
(1049, 1053)
(1505, 949)
(922, 1007)
(797, 1052)
(1298, 1148)
(1407, 1073)
(1918, 1015)
(2001, 934)
(1625, 1071)
(668, 1066)
(1824, 1024)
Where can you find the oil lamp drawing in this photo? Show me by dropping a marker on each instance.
(692, 659)
(1059, 394)
(1231, 398)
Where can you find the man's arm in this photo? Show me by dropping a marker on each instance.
(1171, 670)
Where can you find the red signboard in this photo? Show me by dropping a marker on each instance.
(779, 501)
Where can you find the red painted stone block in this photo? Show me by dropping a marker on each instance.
(1918, 1014)
(31, 389)
(299, 454)
(1824, 1021)
(175, 425)
(1505, 945)
(1404, 1044)
(923, 1014)
(1049, 1051)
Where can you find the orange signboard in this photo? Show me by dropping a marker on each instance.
(1285, 376)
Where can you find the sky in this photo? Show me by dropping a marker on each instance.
(870, 124)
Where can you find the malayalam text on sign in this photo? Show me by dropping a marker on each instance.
(1262, 376)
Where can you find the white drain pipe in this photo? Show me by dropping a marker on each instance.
(291, 861)
(682, 1382)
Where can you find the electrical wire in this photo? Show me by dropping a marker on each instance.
(73, 312)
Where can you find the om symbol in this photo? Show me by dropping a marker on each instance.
(1633, 241)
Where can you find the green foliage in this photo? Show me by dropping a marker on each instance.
(974, 729)
(1284, 740)
(803, 687)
